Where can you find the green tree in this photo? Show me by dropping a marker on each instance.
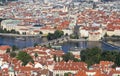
(58, 33)
(24, 57)
(58, 59)
(106, 35)
(35, 44)
(12, 54)
(95, 55)
(14, 48)
(57, 74)
(68, 56)
(76, 60)
(67, 74)
(117, 60)
(13, 31)
(5, 30)
(50, 36)
(66, 34)
(72, 36)
(17, 32)
(55, 35)
(36, 55)
(1, 20)
(49, 46)
(109, 55)
(8, 50)
(40, 32)
(54, 58)
(91, 56)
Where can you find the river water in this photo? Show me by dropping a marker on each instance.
(19, 42)
(28, 42)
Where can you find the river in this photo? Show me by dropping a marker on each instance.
(19, 42)
(28, 42)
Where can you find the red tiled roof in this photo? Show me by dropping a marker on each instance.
(70, 65)
(4, 47)
(81, 73)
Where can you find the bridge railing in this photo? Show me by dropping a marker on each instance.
(52, 41)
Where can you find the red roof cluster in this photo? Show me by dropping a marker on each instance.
(4, 47)
(102, 69)
(70, 65)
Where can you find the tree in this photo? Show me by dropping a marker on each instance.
(36, 55)
(76, 60)
(66, 34)
(14, 48)
(50, 36)
(68, 56)
(58, 33)
(8, 50)
(57, 74)
(17, 32)
(58, 59)
(55, 58)
(106, 35)
(91, 56)
(73, 36)
(49, 46)
(67, 74)
(13, 31)
(117, 61)
(55, 35)
(5, 30)
(24, 57)
(12, 54)
(40, 32)
(1, 20)
(109, 55)
(95, 55)
(35, 44)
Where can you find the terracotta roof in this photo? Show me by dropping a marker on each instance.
(4, 47)
(70, 65)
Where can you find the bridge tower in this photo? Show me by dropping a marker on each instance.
(76, 31)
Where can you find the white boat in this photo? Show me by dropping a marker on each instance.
(22, 39)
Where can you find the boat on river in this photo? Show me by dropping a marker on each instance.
(20, 39)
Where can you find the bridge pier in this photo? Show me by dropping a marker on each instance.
(56, 41)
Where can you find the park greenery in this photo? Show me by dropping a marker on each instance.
(40, 32)
(114, 36)
(1, 19)
(95, 55)
(68, 74)
(65, 74)
(69, 56)
(21, 55)
(24, 57)
(14, 48)
(8, 31)
(55, 35)
(12, 54)
(56, 59)
(66, 57)
(35, 44)
(8, 50)
(36, 55)
(73, 36)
